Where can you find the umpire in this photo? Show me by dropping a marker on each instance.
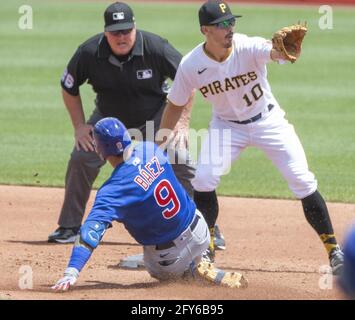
(127, 68)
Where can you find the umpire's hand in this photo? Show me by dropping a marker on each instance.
(83, 137)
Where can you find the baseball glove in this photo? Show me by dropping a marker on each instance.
(288, 41)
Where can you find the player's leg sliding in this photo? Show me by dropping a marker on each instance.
(316, 212)
(207, 204)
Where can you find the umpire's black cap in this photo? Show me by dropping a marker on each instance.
(213, 12)
(118, 16)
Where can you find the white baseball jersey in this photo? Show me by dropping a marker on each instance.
(238, 90)
(237, 87)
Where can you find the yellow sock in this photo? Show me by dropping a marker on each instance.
(212, 239)
(329, 241)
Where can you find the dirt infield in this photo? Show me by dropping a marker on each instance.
(268, 240)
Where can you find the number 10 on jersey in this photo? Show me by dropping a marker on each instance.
(256, 92)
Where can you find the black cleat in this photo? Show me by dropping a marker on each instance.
(336, 259)
(64, 235)
(219, 242)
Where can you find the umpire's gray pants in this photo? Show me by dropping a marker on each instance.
(84, 167)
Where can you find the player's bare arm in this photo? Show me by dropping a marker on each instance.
(82, 130)
(181, 130)
(172, 114)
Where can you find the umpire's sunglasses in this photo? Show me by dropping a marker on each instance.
(225, 24)
(118, 32)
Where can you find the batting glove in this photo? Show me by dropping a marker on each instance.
(70, 277)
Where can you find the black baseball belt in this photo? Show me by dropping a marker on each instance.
(255, 118)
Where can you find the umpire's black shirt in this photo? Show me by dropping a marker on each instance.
(132, 91)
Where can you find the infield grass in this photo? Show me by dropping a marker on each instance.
(317, 92)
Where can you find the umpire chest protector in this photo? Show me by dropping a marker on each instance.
(133, 90)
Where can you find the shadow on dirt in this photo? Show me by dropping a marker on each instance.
(46, 243)
(268, 270)
(99, 285)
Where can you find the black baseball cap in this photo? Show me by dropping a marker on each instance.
(118, 16)
(213, 12)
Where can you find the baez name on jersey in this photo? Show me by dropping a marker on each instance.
(149, 173)
(232, 83)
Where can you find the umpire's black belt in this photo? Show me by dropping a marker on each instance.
(171, 244)
(253, 119)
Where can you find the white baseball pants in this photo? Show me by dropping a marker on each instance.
(273, 134)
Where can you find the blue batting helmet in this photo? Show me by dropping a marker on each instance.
(111, 137)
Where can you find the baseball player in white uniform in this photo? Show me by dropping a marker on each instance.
(229, 70)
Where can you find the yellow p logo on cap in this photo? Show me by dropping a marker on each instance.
(223, 7)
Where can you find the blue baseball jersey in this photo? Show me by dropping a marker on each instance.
(144, 194)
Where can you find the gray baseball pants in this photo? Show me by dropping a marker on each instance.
(184, 253)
